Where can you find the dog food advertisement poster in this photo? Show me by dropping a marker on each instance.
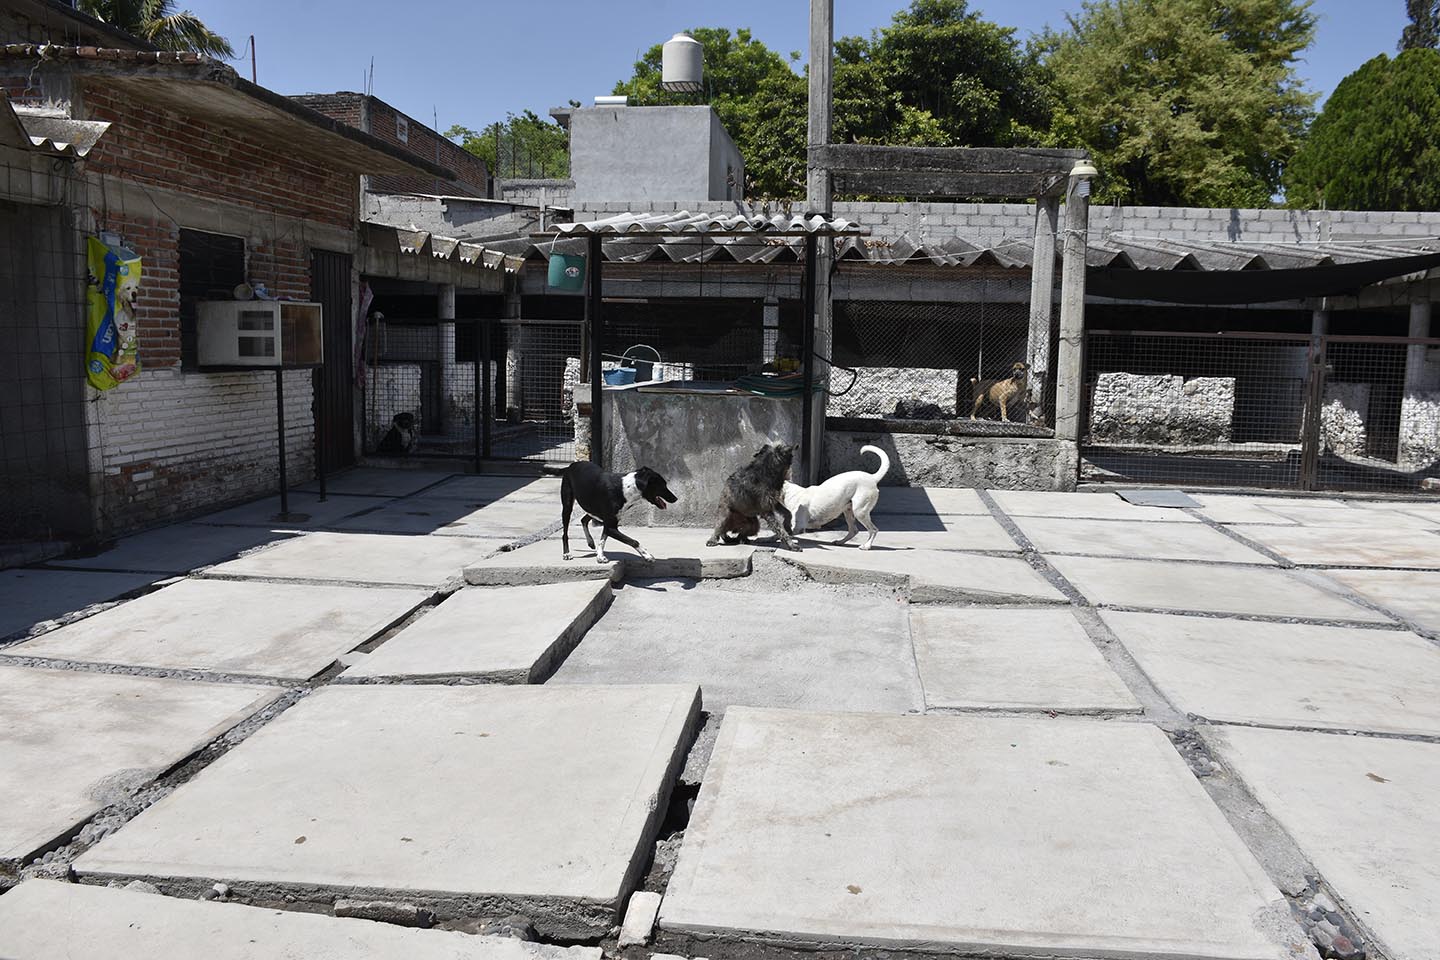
(112, 355)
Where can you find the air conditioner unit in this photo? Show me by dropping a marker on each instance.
(259, 333)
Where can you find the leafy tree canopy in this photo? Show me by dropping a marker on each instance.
(1374, 147)
(524, 145)
(1423, 30)
(1183, 102)
(159, 23)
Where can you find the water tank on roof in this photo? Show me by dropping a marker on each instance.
(682, 64)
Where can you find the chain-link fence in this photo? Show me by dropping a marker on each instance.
(1262, 410)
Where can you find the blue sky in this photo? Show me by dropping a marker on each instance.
(469, 63)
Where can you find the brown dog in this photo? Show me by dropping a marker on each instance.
(999, 392)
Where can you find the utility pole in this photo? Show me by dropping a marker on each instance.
(818, 200)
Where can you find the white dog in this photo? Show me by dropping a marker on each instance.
(854, 494)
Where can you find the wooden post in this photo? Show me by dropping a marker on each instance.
(1310, 421)
(818, 199)
(596, 328)
(1069, 370)
(1042, 295)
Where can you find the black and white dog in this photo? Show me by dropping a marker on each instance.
(401, 437)
(602, 495)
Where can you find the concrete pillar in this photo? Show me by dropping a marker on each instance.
(1415, 352)
(445, 350)
(818, 200)
(1319, 323)
(1042, 294)
(1069, 373)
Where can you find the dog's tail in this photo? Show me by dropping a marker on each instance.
(884, 461)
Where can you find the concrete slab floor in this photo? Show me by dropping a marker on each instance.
(444, 517)
(1226, 508)
(1363, 809)
(379, 482)
(43, 919)
(1287, 674)
(941, 501)
(178, 548)
(761, 649)
(1006, 659)
(931, 576)
(496, 634)
(934, 532)
(1204, 587)
(277, 630)
(487, 489)
(369, 558)
(31, 597)
(319, 513)
(1414, 594)
(1405, 511)
(471, 801)
(984, 835)
(1348, 547)
(1090, 506)
(1124, 538)
(678, 552)
(71, 743)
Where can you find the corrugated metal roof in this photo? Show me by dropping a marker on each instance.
(685, 222)
(48, 130)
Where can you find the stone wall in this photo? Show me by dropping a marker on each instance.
(878, 389)
(1420, 430)
(1163, 409)
(916, 459)
(1342, 418)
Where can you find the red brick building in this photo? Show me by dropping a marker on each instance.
(212, 180)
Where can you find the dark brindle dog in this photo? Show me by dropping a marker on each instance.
(756, 492)
(999, 392)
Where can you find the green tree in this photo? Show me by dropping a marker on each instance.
(1423, 30)
(524, 145)
(1183, 102)
(1374, 147)
(159, 23)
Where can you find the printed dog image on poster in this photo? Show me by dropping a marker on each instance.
(112, 355)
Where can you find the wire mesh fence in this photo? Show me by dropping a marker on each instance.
(1261, 410)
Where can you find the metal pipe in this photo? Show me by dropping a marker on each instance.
(807, 461)
(280, 438)
(595, 322)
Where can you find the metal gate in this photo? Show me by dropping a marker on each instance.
(1261, 410)
(335, 381)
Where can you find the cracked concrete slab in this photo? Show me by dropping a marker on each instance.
(495, 634)
(1005, 659)
(932, 576)
(1414, 594)
(318, 513)
(465, 800)
(930, 500)
(1161, 585)
(762, 649)
(43, 919)
(1288, 674)
(1363, 810)
(933, 532)
(1142, 540)
(379, 481)
(276, 630)
(1345, 546)
(984, 835)
(369, 558)
(678, 552)
(178, 548)
(1089, 506)
(29, 597)
(71, 743)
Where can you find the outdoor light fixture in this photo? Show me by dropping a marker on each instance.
(1084, 169)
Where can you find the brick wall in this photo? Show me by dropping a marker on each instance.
(378, 118)
(173, 442)
(60, 27)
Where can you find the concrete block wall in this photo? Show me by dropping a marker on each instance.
(997, 222)
(540, 193)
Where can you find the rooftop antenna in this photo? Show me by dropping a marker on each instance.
(252, 59)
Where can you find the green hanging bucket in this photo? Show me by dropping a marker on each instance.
(567, 272)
